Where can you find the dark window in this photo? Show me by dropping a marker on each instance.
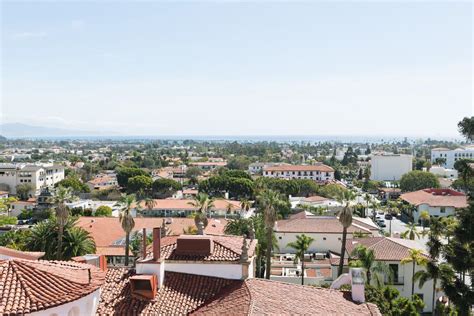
(394, 270)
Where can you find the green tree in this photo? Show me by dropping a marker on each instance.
(416, 257)
(124, 174)
(7, 220)
(74, 183)
(345, 218)
(466, 127)
(425, 218)
(269, 202)
(418, 180)
(44, 237)
(23, 191)
(139, 184)
(203, 203)
(60, 197)
(126, 204)
(192, 173)
(238, 163)
(164, 188)
(411, 232)
(15, 239)
(365, 258)
(433, 271)
(103, 210)
(301, 245)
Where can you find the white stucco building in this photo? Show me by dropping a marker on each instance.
(318, 172)
(49, 288)
(442, 172)
(450, 156)
(36, 175)
(437, 202)
(389, 167)
(391, 251)
(325, 230)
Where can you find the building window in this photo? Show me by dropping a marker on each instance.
(442, 210)
(394, 269)
(279, 237)
(324, 238)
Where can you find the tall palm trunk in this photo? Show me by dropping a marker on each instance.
(413, 279)
(343, 250)
(434, 296)
(60, 242)
(269, 252)
(127, 247)
(302, 269)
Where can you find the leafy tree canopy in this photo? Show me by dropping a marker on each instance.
(418, 180)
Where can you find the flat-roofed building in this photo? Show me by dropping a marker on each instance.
(389, 167)
(447, 157)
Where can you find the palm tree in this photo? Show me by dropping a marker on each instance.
(245, 205)
(44, 237)
(269, 201)
(203, 204)
(149, 203)
(416, 257)
(301, 246)
(367, 199)
(425, 217)
(411, 232)
(126, 204)
(365, 258)
(449, 223)
(374, 207)
(433, 270)
(61, 196)
(345, 218)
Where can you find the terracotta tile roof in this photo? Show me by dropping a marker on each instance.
(436, 197)
(111, 251)
(107, 230)
(185, 204)
(315, 225)
(28, 286)
(264, 297)
(385, 248)
(315, 198)
(29, 255)
(226, 248)
(321, 167)
(210, 163)
(180, 294)
(183, 294)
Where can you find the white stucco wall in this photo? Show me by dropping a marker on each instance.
(389, 167)
(220, 270)
(433, 211)
(322, 242)
(86, 306)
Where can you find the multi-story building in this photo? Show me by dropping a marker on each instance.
(390, 167)
(447, 157)
(37, 175)
(437, 202)
(318, 172)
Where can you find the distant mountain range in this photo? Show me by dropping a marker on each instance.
(20, 130)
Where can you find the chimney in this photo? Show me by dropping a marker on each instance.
(144, 239)
(358, 284)
(156, 243)
(149, 266)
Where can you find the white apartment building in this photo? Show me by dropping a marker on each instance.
(318, 172)
(36, 175)
(389, 167)
(450, 156)
(442, 172)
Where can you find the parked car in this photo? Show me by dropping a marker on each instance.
(382, 224)
(388, 216)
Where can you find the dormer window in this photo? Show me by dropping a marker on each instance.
(144, 286)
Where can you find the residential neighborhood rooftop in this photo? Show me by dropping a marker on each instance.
(436, 197)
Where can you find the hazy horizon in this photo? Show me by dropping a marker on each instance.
(241, 69)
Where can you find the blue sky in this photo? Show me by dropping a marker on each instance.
(205, 68)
